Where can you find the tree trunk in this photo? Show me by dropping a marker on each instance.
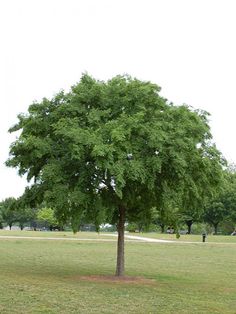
(120, 264)
(162, 228)
(140, 228)
(10, 225)
(215, 228)
(189, 224)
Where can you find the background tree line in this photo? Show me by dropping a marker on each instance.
(218, 214)
(13, 212)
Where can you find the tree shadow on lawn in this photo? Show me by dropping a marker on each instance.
(114, 279)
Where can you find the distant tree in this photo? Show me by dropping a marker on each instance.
(27, 202)
(222, 206)
(24, 215)
(214, 214)
(141, 220)
(200, 188)
(46, 216)
(228, 195)
(191, 215)
(111, 150)
(169, 218)
(33, 220)
(1, 220)
(192, 206)
(8, 207)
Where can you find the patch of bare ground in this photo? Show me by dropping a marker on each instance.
(116, 279)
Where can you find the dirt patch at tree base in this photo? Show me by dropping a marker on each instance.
(116, 279)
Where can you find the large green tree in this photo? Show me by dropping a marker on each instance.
(111, 150)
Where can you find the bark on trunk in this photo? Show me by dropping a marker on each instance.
(140, 228)
(189, 224)
(120, 264)
(162, 228)
(216, 228)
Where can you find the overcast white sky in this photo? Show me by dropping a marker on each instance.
(188, 47)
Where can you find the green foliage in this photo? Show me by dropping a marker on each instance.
(8, 211)
(24, 215)
(47, 217)
(1, 220)
(107, 146)
(222, 208)
(228, 195)
(214, 214)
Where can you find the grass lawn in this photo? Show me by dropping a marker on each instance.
(54, 234)
(40, 276)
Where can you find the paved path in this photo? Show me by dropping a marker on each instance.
(152, 240)
(142, 239)
(129, 238)
(65, 239)
(158, 240)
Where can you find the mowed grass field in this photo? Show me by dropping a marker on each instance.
(42, 276)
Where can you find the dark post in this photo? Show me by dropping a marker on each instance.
(204, 237)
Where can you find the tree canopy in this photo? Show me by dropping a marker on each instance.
(46, 216)
(222, 207)
(111, 151)
(8, 212)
